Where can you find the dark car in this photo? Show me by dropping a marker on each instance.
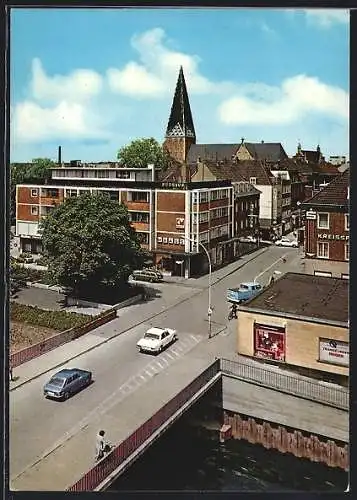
(67, 382)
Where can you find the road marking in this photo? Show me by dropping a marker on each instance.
(179, 348)
(160, 365)
(113, 399)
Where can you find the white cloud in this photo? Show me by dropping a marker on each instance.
(325, 18)
(66, 120)
(156, 73)
(297, 97)
(80, 85)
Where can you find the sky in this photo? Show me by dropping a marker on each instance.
(93, 80)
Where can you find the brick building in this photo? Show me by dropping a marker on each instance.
(327, 229)
(172, 212)
(301, 321)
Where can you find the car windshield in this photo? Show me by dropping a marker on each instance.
(154, 336)
(57, 381)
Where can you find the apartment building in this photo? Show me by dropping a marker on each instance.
(327, 228)
(171, 218)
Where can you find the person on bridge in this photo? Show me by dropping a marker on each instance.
(102, 446)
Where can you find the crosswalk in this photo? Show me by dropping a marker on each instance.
(153, 368)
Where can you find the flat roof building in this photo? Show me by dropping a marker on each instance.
(300, 320)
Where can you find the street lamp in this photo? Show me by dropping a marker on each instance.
(209, 310)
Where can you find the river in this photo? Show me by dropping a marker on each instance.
(189, 458)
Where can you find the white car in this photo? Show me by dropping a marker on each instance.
(156, 339)
(285, 242)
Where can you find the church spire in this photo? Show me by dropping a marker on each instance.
(180, 122)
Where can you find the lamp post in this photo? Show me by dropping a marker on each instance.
(209, 310)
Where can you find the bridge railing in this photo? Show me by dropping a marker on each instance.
(94, 477)
(314, 390)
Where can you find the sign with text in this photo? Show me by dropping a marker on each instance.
(180, 222)
(334, 351)
(335, 237)
(310, 215)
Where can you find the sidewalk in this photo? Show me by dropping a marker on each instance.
(124, 322)
(72, 458)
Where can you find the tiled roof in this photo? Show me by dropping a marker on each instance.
(335, 193)
(305, 295)
(270, 151)
(211, 152)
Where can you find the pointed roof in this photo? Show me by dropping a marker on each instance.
(180, 121)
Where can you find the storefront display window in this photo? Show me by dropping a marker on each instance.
(269, 342)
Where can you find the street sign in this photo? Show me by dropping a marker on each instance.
(209, 312)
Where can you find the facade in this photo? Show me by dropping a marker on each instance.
(169, 217)
(327, 229)
(299, 320)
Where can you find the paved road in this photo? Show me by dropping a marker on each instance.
(36, 424)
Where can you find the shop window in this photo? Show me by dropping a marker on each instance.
(34, 193)
(34, 210)
(269, 342)
(323, 221)
(323, 250)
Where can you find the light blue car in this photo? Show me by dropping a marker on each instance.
(67, 382)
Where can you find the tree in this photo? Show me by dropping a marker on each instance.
(143, 152)
(21, 173)
(89, 243)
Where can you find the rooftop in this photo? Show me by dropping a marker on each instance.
(335, 193)
(305, 295)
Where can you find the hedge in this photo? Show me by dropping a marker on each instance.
(57, 320)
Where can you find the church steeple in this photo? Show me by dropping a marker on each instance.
(180, 132)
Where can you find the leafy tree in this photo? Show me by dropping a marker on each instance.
(21, 173)
(90, 243)
(143, 152)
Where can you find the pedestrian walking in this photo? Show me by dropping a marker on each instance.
(102, 446)
(11, 374)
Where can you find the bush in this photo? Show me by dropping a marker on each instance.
(57, 320)
(42, 261)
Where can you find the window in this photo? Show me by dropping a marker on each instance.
(322, 250)
(71, 193)
(113, 195)
(203, 197)
(323, 221)
(159, 239)
(139, 217)
(123, 175)
(34, 210)
(103, 174)
(253, 180)
(218, 213)
(138, 196)
(347, 252)
(34, 193)
(242, 224)
(347, 222)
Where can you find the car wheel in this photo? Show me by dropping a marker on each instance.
(66, 396)
(175, 338)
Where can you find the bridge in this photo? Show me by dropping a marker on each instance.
(248, 388)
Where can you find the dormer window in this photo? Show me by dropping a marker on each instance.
(253, 180)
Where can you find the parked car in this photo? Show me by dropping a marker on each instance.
(248, 239)
(153, 276)
(285, 242)
(156, 339)
(67, 382)
(244, 292)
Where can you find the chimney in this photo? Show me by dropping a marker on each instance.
(59, 161)
(152, 167)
